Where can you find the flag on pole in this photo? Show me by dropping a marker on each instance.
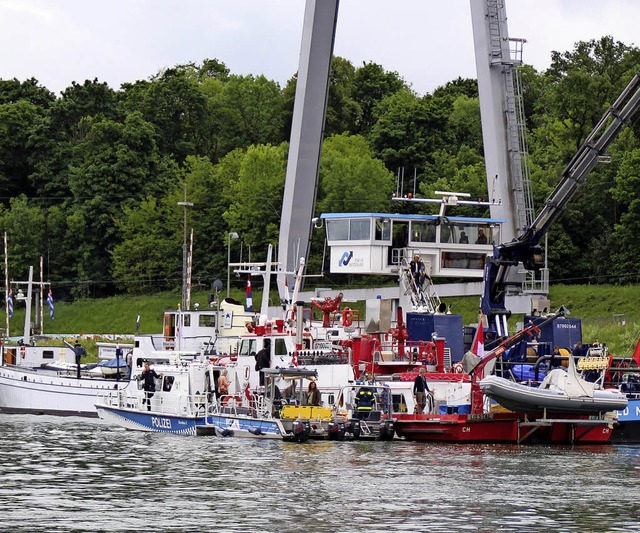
(636, 353)
(50, 302)
(478, 341)
(10, 303)
(249, 299)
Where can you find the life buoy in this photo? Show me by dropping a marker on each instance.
(428, 352)
(23, 351)
(232, 399)
(458, 368)
(347, 316)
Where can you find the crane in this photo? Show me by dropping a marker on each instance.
(525, 249)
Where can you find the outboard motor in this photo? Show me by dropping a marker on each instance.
(387, 430)
(336, 430)
(301, 430)
(355, 428)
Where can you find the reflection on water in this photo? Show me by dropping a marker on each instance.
(71, 474)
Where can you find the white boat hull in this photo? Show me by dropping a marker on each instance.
(46, 392)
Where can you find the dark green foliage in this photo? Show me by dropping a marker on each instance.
(91, 179)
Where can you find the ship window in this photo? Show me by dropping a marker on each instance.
(360, 229)
(167, 383)
(280, 347)
(47, 354)
(383, 229)
(207, 321)
(423, 231)
(463, 260)
(186, 319)
(338, 230)
(248, 347)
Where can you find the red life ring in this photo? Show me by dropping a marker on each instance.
(231, 399)
(347, 316)
(428, 353)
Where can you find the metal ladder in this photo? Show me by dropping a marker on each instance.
(514, 111)
(424, 296)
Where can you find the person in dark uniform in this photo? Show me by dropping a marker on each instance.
(420, 391)
(263, 359)
(79, 352)
(554, 360)
(148, 378)
(365, 400)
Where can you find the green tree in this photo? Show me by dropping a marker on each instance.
(173, 103)
(148, 258)
(256, 195)
(371, 83)
(24, 224)
(351, 178)
(115, 166)
(17, 122)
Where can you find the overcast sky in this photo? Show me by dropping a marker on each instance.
(427, 42)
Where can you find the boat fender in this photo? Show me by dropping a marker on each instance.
(255, 431)
(347, 316)
(225, 432)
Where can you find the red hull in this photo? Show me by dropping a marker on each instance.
(501, 428)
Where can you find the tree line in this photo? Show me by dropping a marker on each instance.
(91, 179)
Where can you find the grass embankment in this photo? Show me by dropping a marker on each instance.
(599, 307)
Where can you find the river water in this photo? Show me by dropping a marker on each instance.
(73, 474)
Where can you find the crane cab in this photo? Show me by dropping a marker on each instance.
(377, 243)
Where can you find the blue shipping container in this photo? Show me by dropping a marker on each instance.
(421, 327)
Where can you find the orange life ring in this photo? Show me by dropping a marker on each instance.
(347, 316)
(226, 400)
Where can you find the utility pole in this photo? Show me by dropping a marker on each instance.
(185, 252)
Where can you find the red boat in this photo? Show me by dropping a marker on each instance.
(481, 425)
(502, 428)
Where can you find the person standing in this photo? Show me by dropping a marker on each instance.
(313, 394)
(129, 363)
(420, 391)
(223, 383)
(118, 360)
(79, 352)
(263, 359)
(148, 378)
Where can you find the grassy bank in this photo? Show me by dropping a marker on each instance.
(599, 307)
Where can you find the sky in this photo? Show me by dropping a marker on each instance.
(427, 42)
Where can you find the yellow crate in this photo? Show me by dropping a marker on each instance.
(310, 412)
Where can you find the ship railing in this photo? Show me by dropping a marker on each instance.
(161, 401)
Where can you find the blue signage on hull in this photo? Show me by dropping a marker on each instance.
(162, 423)
(631, 413)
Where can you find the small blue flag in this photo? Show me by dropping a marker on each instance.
(10, 302)
(50, 302)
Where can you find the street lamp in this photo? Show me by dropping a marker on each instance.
(231, 235)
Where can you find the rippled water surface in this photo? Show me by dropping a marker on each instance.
(72, 474)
